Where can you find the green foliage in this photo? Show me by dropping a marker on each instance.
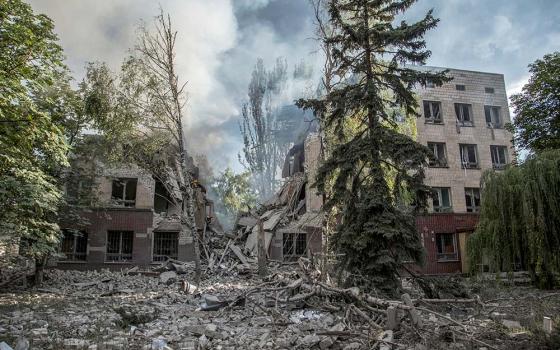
(32, 141)
(537, 107)
(234, 194)
(520, 219)
(373, 174)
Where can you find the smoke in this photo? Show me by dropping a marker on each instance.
(218, 44)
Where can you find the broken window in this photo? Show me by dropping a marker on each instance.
(489, 90)
(463, 112)
(499, 156)
(446, 247)
(472, 199)
(493, 119)
(440, 154)
(166, 246)
(432, 112)
(74, 245)
(460, 87)
(161, 198)
(294, 244)
(469, 157)
(119, 245)
(123, 192)
(441, 199)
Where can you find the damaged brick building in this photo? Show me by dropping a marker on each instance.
(133, 222)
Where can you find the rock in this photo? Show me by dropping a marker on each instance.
(352, 346)
(168, 277)
(511, 324)
(203, 342)
(73, 343)
(310, 340)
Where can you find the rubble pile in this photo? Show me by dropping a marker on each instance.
(291, 308)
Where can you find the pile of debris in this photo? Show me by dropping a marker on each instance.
(290, 308)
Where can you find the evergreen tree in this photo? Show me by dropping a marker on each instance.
(372, 169)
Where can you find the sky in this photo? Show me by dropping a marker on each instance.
(219, 42)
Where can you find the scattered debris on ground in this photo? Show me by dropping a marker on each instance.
(292, 308)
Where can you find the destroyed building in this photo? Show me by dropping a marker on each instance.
(462, 122)
(132, 222)
(292, 220)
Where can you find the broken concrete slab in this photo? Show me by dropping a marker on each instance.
(168, 277)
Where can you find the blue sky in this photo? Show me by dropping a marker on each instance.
(220, 40)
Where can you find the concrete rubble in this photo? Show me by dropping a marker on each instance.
(291, 308)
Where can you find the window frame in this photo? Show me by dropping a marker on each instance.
(489, 90)
(295, 238)
(488, 112)
(431, 119)
(121, 257)
(459, 107)
(494, 149)
(75, 255)
(439, 163)
(159, 256)
(473, 208)
(460, 87)
(468, 164)
(446, 257)
(123, 201)
(441, 208)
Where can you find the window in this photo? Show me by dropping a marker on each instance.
(493, 119)
(489, 90)
(460, 87)
(440, 154)
(165, 246)
(78, 190)
(294, 244)
(441, 199)
(124, 192)
(446, 247)
(74, 245)
(432, 112)
(499, 156)
(161, 198)
(472, 199)
(430, 83)
(463, 112)
(119, 245)
(469, 158)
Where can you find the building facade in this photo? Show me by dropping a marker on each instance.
(132, 222)
(462, 122)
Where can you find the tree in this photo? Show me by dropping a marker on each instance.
(33, 148)
(262, 153)
(520, 219)
(234, 193)
(141, 116)
(372, 167)
(536, 125)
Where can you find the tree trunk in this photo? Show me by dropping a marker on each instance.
(39, 270)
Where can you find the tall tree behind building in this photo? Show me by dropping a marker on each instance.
(261, 151)
(370, 168)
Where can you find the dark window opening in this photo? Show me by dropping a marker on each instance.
(441, 200)
(499, 156)
(74, 245)
(469, 158)
(161, 198)
(472, 200)
(294, 245)
(446, 247)
(430, 83)
(489, 90)
(440, 154)
(460, 87)
(493, 118)
(123, 192)
(166, 246)
(463, 112)
(119, 245)
(432, 112)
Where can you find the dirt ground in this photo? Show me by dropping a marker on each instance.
(121, 310)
